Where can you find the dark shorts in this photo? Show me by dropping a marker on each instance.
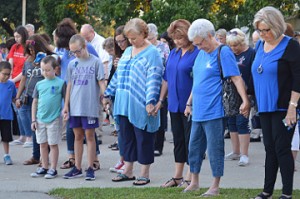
(83, 122)
(239, 124)
(6, 130)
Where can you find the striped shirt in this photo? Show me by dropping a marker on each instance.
(135, 84)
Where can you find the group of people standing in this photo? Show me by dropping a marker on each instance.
(146, 78)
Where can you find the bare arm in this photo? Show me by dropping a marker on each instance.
(188, 108)
(162, 96)
(20, 91)
(240, 86)
(65, 111)
(292, 112)
(33, 114)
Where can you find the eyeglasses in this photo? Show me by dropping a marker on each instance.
(6, 74)
(200, 44)
(30, 42)
(263, 31)
(120, 41)
(71, 53)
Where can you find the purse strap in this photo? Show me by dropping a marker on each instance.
(219, 61)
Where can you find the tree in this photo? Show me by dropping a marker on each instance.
(11, 15)
(53, 11)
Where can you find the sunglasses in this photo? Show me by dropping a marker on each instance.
(30, 42)
(233, 33)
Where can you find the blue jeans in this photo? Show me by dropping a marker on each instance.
(71, 139)
(25, 117)
(207, 135)
(36, 148)
(22, 131)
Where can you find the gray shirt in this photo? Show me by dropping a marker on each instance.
(84, 74)
(33, 74)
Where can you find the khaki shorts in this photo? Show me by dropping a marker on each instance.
(49, 132)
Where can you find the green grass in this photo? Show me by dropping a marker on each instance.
(154, 193)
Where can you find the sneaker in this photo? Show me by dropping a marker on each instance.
(16, 142)
(120, 171)
(27, 145)
(74, 173)
(106, 122)
(7, 160)
(52, 173)
(90, 174)
(117, 166)
(232, 156)
(244, 160)
(40, 171)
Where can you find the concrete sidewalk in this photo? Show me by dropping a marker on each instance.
(15, 180)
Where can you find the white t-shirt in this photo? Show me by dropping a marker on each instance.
(97, 43)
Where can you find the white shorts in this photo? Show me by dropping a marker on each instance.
(295, 140)
(49, 132)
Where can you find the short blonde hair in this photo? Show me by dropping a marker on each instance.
(136, 25)
(273, 18)
(236, 36)
(78, 38)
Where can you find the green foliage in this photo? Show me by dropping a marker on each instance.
(145, 193)
(11, 15)
(53, 11)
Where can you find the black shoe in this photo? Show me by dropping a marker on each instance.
(227, 135)
(157, 153)
(255, 139)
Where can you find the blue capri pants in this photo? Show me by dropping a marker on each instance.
(207, 135)
(239, 124)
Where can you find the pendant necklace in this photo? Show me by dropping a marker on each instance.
(260, 69)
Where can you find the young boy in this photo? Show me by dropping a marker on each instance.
(8, 94)
(85, 77)
(46, 120)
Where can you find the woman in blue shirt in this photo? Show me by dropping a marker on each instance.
(276, 77)
(177, 84)
(208, 125)
(135, 87)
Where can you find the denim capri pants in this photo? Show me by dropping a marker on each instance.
(239, 124)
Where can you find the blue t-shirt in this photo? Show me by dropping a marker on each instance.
(266, 82)
(207, 85)
(49, 94)
(179, 76)
(244, 62)
(7, 94)
(66, 58)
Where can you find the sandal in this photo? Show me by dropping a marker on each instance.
(122, 177)
(172, 182)
(68, 164)
(184, 184)
(140, 181)
(285, 197)
(263, 196)
(113, 145)
(96, 166)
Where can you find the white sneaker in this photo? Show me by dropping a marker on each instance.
(244, 160)
(120, 171)
(232, 156)
(117, 167)
(27, 145)
(16, 142)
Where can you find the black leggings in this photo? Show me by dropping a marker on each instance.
(277, 140)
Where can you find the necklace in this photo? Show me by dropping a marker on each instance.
(260, 68)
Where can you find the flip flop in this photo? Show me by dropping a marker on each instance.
(122, 177)
(208, 195)
(141, 179)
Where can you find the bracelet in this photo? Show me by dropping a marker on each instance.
(161, 100)
(293, 104)
(33, 122)
(17, 98)
(188, 105)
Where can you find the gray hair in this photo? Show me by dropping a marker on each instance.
(152, 29)
(108, 43)
(236, 36)
(201, 27)
(273, 18)
(30, 26)
(221, 32)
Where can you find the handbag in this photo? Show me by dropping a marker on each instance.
(255, 122)
(230, 97)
